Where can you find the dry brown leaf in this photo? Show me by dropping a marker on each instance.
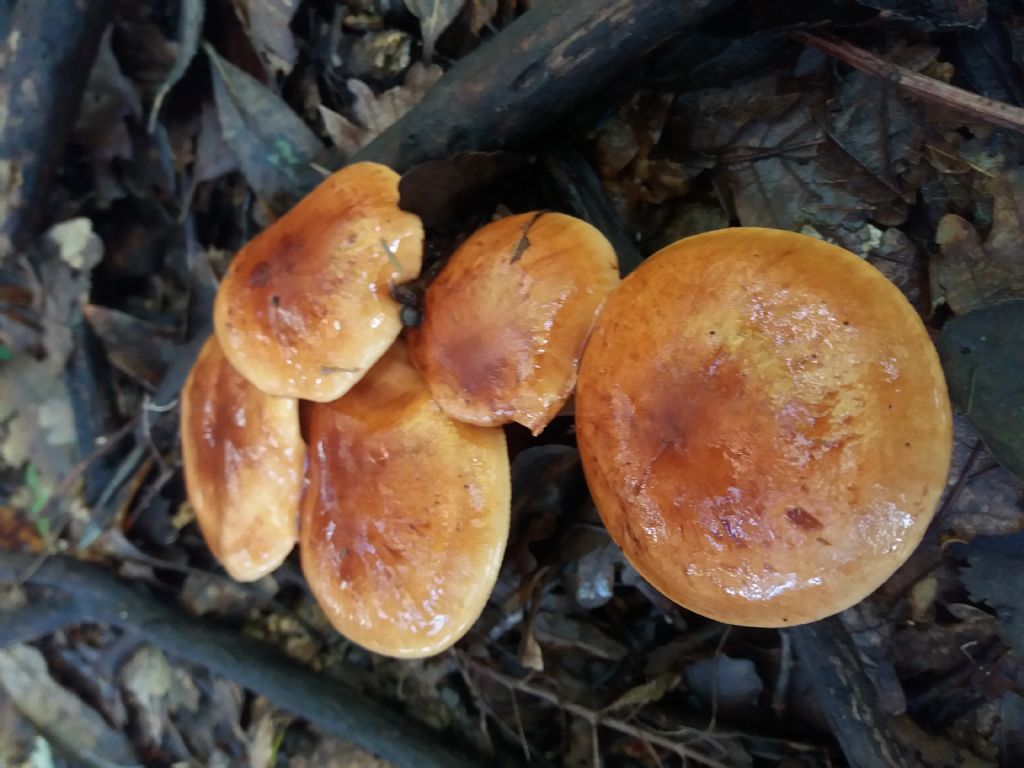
(71, 250)
(267, 24)
(970, 274)
(649, 692)
(435, 17)
(147, 679)
(109, 98)
(372, 113)
(335, 753)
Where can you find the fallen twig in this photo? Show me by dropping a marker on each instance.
(597, 718)
(89, 593)
(923, 87)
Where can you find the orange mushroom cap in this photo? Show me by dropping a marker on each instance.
(244, 458)
(505, 322)
(763, 424)
(406, 516)
(305, 308)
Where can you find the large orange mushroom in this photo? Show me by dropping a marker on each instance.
(764, 425)
(406, 515)
(243, 457)
(306, 308)
(505, 322)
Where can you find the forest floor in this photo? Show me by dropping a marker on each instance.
(890, 127)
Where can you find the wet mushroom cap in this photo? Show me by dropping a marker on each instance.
(406, 516)
(244, 459)
(505, 322)
(763, 424)
(305, 308)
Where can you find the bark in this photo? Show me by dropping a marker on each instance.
(863, 730)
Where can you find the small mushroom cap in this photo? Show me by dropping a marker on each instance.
(406, 516)
(244, 460)
(306, 308)
(505, 322)
(763, 424)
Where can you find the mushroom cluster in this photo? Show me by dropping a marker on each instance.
(762, 419)
(399, 496)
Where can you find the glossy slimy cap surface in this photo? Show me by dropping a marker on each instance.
(406, 516)
(305, 308)
(505, 323)
(243, 458)
(764, 425)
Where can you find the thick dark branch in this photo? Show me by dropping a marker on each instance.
(44, 65)
(330, 705)
(534, 73)
(37, 619)
(847, 696)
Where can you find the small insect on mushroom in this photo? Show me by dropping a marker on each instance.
(505, 322)
(406, 516)
(243, 457)
(306, 308)
(764, 425)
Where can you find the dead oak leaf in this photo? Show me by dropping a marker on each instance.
(832, 157)
(267, 24)
(969, 274)
(373, 113)
(435, 17)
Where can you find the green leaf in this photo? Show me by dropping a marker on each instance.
(983, 356)
(277, 152)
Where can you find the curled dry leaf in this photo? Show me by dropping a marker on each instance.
(243, 457)
(764, 425)
(305, 308)
(505, 323)
(406, 517)
(374, 114)
(267, 22)
(971, 274)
